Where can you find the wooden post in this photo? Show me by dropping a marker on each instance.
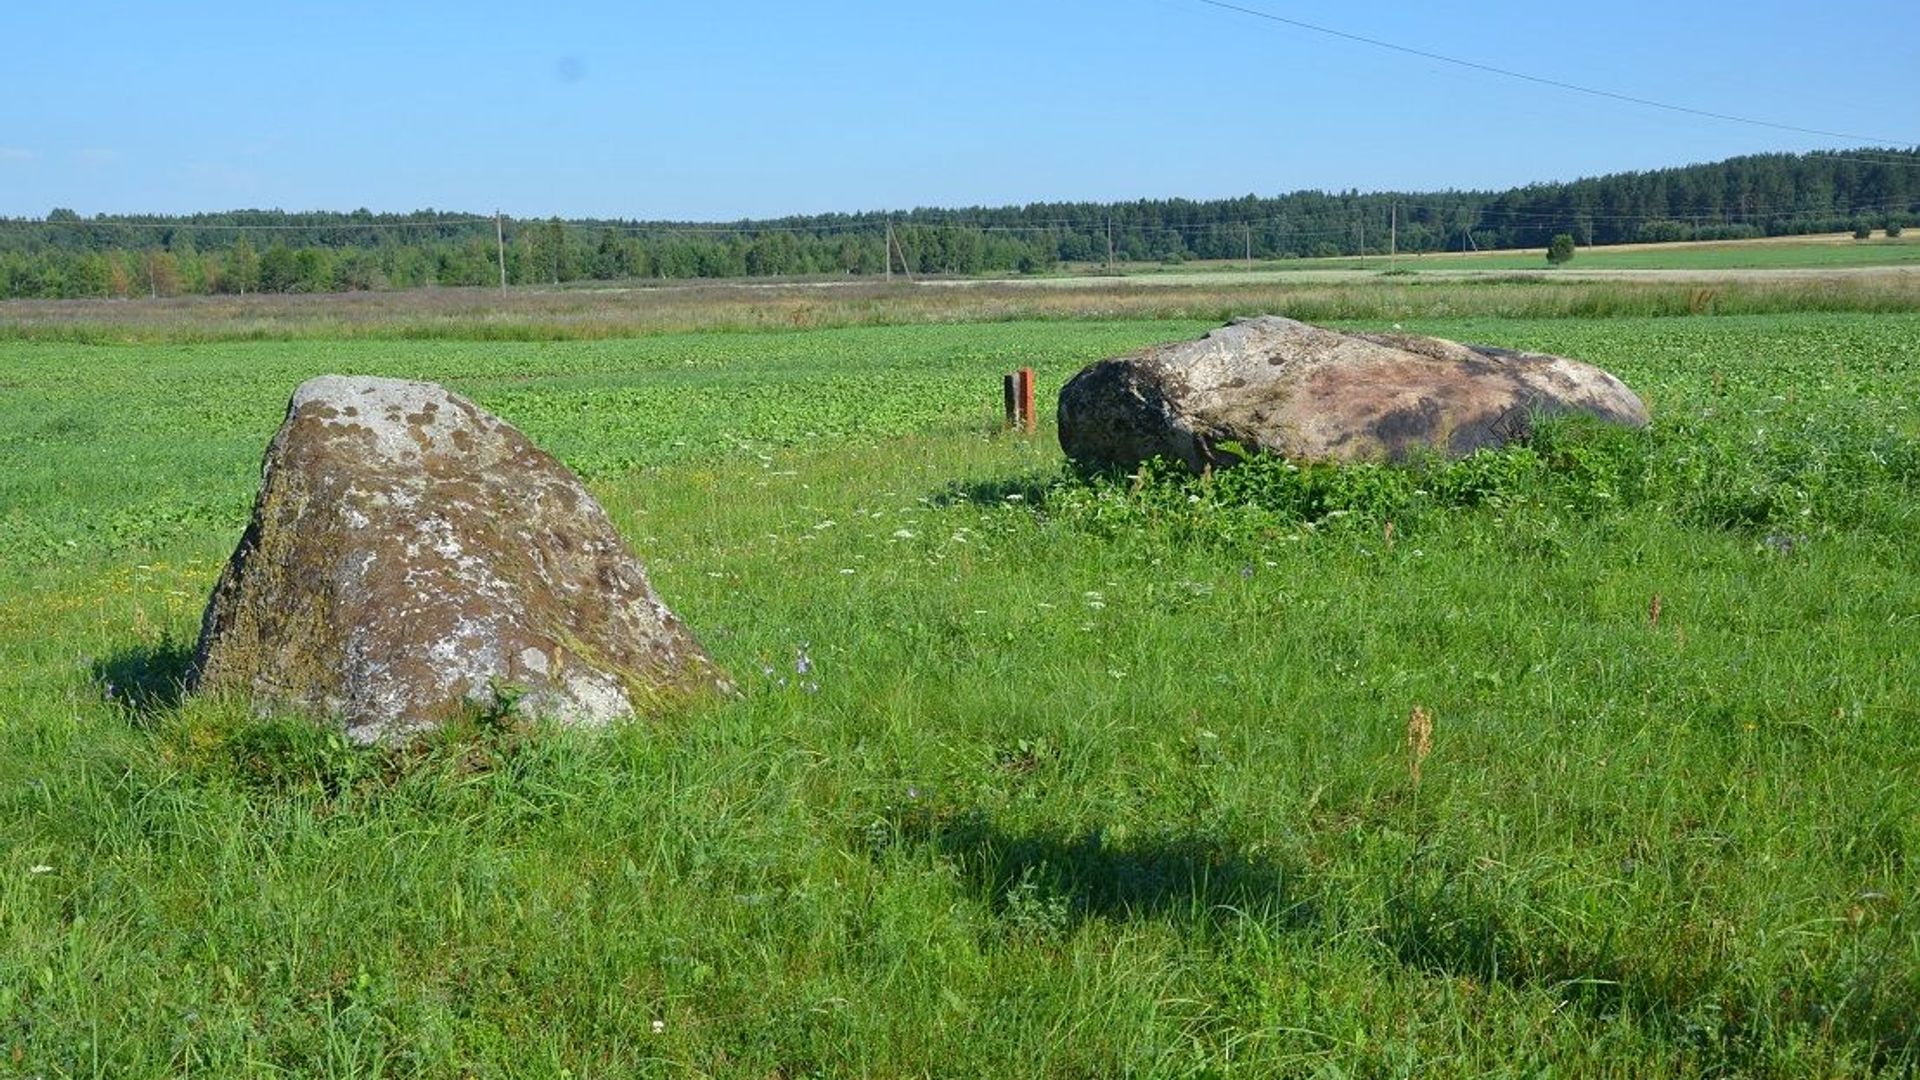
(1016, 396)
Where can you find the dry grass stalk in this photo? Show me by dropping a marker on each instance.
(1419, 740)
(1653, 613)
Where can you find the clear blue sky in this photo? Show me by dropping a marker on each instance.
(722, 110)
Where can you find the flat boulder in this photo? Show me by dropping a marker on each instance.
(412, 557)
(1283, 387)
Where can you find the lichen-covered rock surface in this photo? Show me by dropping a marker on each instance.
(1279, 386)
(412, 556)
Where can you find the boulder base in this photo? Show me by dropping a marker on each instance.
(1283, 387)
(412, 556)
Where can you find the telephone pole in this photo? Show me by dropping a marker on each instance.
(893, 245)
(1393, 237)
(1249, 228)
(500, 249)
(1109, 241)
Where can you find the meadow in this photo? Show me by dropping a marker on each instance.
(1033, 773)
(1207, 296)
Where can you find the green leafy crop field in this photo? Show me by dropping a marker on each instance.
(1032, 774)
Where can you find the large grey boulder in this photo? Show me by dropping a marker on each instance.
(1284, 387)
(412, 556)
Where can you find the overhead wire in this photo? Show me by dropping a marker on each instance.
(1541, 80)
(186, 223)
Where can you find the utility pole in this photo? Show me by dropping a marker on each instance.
(893, 245)
(1249, 228)
(1109, 241)
(1363, 240)
(153, 290)
(500, 249)
(1393, 237)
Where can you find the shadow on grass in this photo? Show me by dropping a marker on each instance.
(1440, 925)
(1047, 881)
(1041, 884)
(1030, 489)
(145, 680)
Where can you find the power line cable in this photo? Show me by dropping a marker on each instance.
(1904, 163)
(88, 223)
(1539, 79)
(1776, 210)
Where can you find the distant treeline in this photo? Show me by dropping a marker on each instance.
(67, 255)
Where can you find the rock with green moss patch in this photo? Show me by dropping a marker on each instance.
(412, 558)
(1278, 386)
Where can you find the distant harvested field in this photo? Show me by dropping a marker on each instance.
(1438, 268)
(591, 313)
(1823, 252)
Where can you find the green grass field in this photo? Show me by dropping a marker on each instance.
(1085, 778)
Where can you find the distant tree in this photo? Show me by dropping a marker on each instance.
(556, 246)
(850, 258)
(205, 274)
(1036, 257)
(1862, 230)
(313, 270)
(1893, 229)
(412, 266)
(358, 270)
(279, 271)
(1764, 194)
(1560, 250)
(242, 272)
(471, 263)
(89, 277)
(119, 282)
(163, 273)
